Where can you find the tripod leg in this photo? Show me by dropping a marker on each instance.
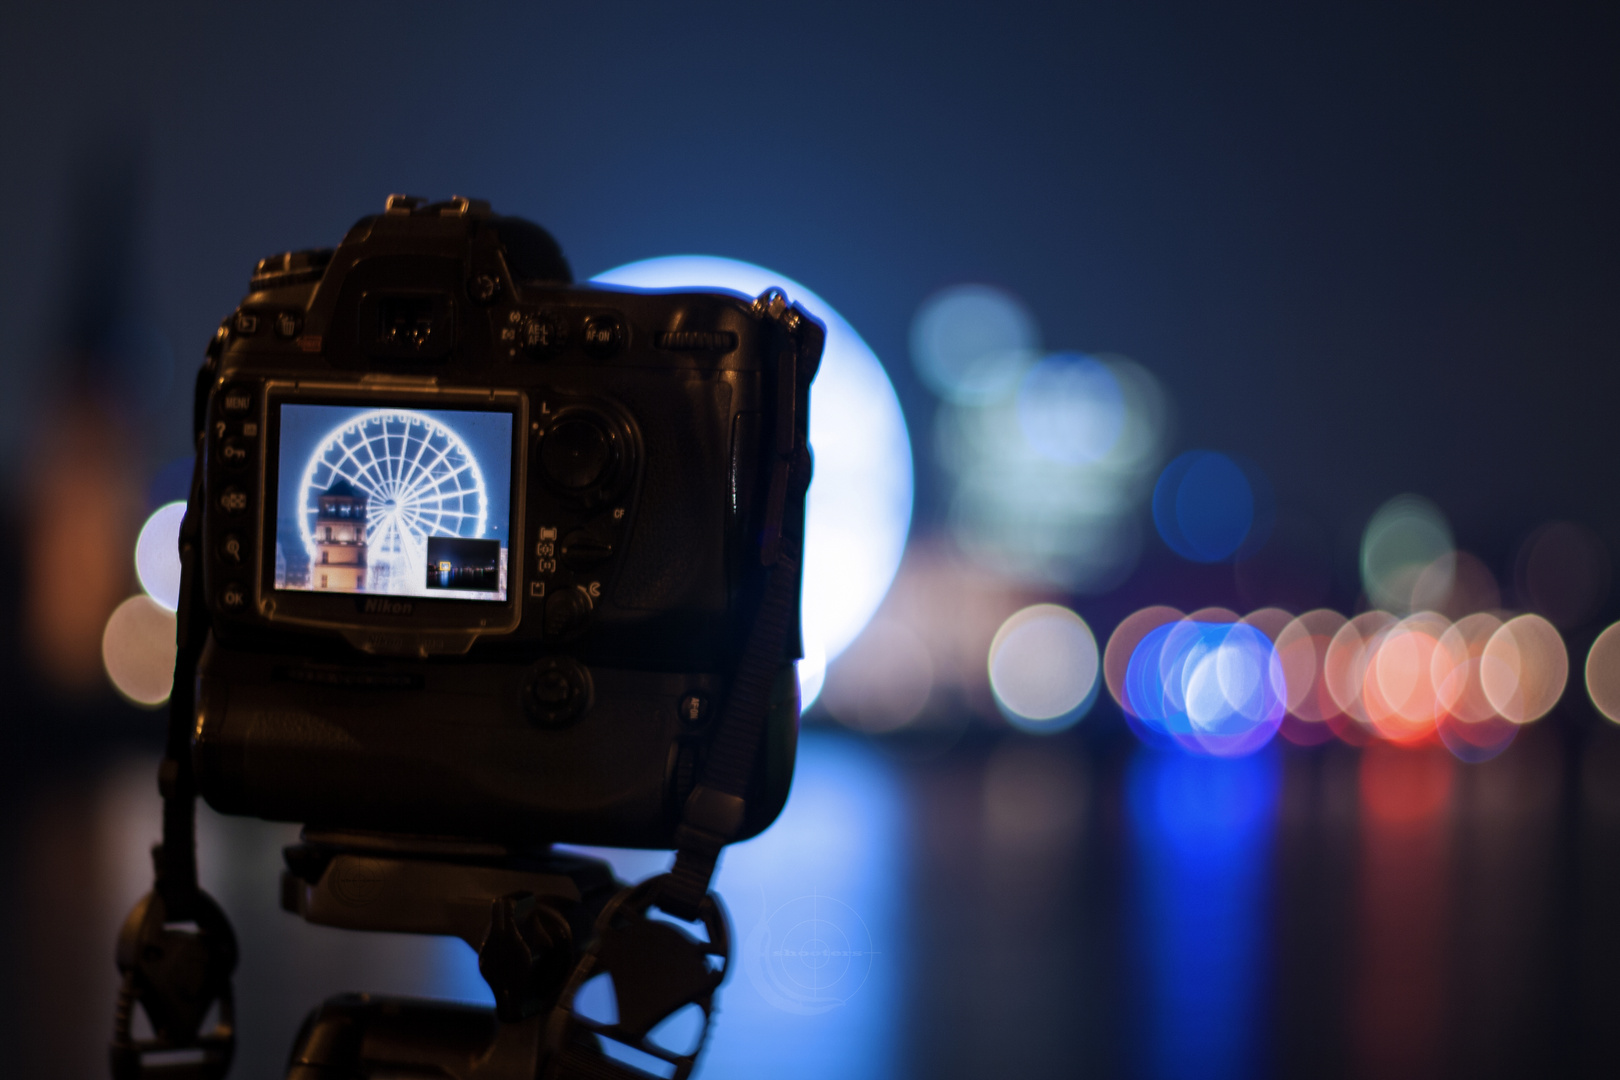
(357, 1036)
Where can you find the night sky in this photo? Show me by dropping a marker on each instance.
(1372, 248)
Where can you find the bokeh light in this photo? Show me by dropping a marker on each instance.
(970, 342)
(1401, 701)
(1405, 538)
(138, 650)
(860, 498)
(1456, 669)
(157, 554)
(884, 682)
(1203, 506)
(1302, 650)
(1046, 476)
(1603, 673)
(1122, 645)
(1344, 670)
(1270, 621)
(1071, 409)
(1563, 573)
(1209, 687)
(1524, 668)
(1043, 668)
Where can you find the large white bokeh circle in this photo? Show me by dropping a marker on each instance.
(860, 500)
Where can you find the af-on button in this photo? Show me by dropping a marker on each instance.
(604, 335)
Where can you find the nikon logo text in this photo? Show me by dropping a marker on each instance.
(381, 605)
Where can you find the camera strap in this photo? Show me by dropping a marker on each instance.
(176, 952)
(715, 810)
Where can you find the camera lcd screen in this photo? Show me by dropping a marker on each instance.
(393, 501)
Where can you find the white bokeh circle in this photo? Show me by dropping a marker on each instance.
(860, 499)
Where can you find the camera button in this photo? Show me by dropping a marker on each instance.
(234, 501)
(581, 550)
(694, 710)
(230, 549)
(234, 453)
(567, 611)
(541, 334)
(575, 453)
(233, 596)
(559, 691)
(288, 324)
(236, 399)
(604, 335)
(245, 324)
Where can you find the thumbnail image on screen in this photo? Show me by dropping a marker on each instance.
(401, 502)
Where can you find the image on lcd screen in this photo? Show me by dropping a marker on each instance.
(398, 502)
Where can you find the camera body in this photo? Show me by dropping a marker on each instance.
(479, 549)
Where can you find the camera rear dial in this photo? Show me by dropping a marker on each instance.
(584, 454)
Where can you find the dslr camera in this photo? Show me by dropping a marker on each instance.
(480, 549)
(476, 561)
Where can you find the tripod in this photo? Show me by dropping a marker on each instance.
(543, 924)
(525, 914)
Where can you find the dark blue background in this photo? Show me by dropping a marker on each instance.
(1370, 247)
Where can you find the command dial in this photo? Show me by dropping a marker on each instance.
(577, 452)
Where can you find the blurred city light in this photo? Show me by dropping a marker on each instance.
(883, 683)
(1302, 648)
(1043, 668)
(1404, 539)
(1203, 506)
(1122, 645)
(935, 626)
(970, 342)
(1071, 409)
(1603, 673)
(81, 506)
(1456, 670)
(860, 499)
(157, 554)
(1029, 500)
(1563, 573)
(138, 649)
(1345, 667)
(1524, 668)
(1400, 697)
(1210, 687)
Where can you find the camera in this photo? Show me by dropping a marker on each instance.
(480, 549)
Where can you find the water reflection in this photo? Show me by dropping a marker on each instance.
(816, 905)
(1201, 833)
(1016, 906)
(1399, 1000)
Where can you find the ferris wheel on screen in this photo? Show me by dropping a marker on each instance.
(418, 479)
